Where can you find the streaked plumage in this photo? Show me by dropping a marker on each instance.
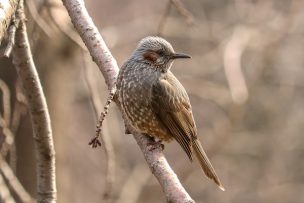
(154, 102)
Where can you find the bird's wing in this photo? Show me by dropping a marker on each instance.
(171, 104)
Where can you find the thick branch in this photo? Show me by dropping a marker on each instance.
(108, 66)
(45, 153)
(7, 10)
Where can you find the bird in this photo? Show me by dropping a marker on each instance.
(154, 102)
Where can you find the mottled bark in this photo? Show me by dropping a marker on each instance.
(44, 148)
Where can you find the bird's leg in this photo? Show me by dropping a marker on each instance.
(153, 144)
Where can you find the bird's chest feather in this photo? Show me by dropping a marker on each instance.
(135, 95)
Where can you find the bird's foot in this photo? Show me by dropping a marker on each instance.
(155, 144)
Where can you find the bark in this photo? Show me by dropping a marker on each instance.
(44, 147)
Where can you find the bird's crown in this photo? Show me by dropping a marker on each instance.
(155, 44)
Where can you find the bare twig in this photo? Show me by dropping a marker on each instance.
(14, 182)
(7, 10)
(45, 153)
(108, 147)
(95, 141)
(108, 66)
(11, 36)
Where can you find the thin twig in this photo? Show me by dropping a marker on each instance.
(11, 36)
(95, 141)
(14, 182)
(44, 146)
(102, 56)
(108, 146)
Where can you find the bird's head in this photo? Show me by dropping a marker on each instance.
(156, 52)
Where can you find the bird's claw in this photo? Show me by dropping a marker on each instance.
(156, 144)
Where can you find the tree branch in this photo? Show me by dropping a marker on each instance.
(108, 66)
(44, 147)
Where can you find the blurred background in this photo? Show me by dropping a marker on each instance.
(245, 82)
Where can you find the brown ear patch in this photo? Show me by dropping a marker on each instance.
(151, 56)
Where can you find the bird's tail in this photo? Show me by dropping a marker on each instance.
(205, 163)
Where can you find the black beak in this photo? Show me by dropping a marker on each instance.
(180, 56)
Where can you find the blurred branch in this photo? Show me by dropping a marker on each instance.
(14, 183)
(70, 33)
(134, 184)
(6, 98)
(180, 7)
(232, 64)
(20, 107)
(9, 125)
(183, 11)
(107, 64)
(5, 119)
(7, 10)
(108, 147)
(5, 195)
(44, 147)
(38, 18)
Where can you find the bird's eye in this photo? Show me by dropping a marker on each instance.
(161, 52)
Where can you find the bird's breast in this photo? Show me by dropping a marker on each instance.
(135, 96)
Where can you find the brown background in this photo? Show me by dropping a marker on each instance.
(252, 131)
